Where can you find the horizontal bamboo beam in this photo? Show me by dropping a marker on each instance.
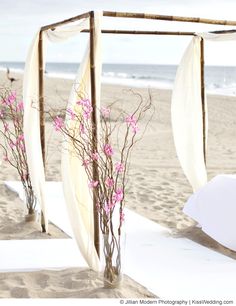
(144, 16)
(224, 32)
(60, 23)
(143, 32)
(169, 18)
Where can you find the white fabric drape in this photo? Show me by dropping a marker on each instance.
(186, 112)
(32, 126)
(213, 205)
(77, 197)
(75, 181)
(31, 108)
(64, 32)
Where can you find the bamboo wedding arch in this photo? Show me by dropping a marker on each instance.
(91, 32)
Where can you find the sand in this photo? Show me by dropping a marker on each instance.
(68, 283)
(158, 188)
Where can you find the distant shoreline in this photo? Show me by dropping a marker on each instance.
(223, 91)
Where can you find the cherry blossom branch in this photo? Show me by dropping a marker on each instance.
(12, 141)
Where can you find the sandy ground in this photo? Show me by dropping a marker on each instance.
(158, 189)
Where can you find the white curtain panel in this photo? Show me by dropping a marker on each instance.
(186, 110)
(77, 196)
(62, 33)
(186, 113)
(213, 205)
(32, 125)
(74, 178)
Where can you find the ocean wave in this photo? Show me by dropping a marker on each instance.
(131, 82)
(14, 70)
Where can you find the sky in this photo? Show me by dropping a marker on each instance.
(21, 19)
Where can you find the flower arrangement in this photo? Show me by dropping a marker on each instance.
(110, 156)
(13, 145)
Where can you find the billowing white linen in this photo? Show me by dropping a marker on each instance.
(62, 33)
(213, 207)
(75, 182)
(186, 113)
(77, 195)
(32, 126)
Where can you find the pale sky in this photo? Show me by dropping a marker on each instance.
(20, 20)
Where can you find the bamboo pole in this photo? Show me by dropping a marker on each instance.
(203, 97)
(94, 131)
(41, 112)
(52, 26)
(224, 31)
(169, 18)
(143, 32)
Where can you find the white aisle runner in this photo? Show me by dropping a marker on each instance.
(169, 267)
(38, 254)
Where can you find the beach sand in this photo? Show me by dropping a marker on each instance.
(158, 188)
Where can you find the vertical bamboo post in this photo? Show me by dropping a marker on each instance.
(41, 111)
(203, 97)
(95, 136)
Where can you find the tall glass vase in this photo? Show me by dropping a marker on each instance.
(113, 249)
(30, 202)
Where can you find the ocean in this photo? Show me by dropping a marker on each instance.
(218, 79)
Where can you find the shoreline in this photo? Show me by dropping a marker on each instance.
(124, 82)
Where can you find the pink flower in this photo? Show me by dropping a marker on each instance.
(108, 149)
(105, 112)
(87, 112)
(12, 144)
(93, 184)
(58, 123)
(135, 128)
(22, 147)
(20, 142)
(85, 163)
(119, 195)
(95, 156)
(10, 99)
(119, 167)
(2, 114)
(87, 108)
(132, 122)
(71, 113)
(122, 217)
(109, 182)
(98, 206)
(6, 127)
(24, 177)
(82, 128)
(20, 138)
(20, 106)
(84, 102)
(108, 207)
(5, 158)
